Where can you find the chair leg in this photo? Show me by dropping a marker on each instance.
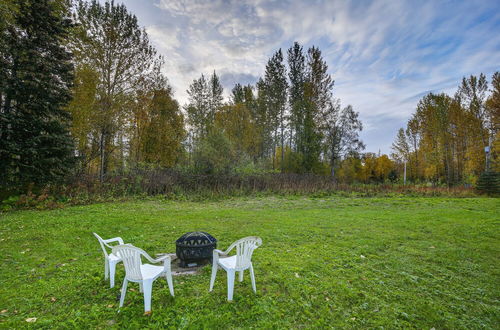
(140, 287)
(112, 270)
(168, 276)
(214, 274)
(252, 276)
(124, 291)
(230, 284)
(147, 287)
(241, 276)
(106, 268)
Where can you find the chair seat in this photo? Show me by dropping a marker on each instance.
(151, 271)
(113, 257)
(228, 263)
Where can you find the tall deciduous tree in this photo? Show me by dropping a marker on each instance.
(341, 132)
(493, 109)
(263, 120)
(109, 39)
(276, 96)
(36, 75)
(237, 123)
(205, 99)
(401, 147)
(215, 98)
(197, 107)
(321, 81)
(163, 130)
(297, 77)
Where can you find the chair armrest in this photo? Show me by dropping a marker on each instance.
(216, 253)
(115, 239)
(219, 252)
(164, 258)
(166, 262)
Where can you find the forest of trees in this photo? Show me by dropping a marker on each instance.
(445, 139)
(83, 91)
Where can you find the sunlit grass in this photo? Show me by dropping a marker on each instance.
(342, 262)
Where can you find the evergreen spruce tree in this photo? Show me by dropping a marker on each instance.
(489, 183)
(35, 145)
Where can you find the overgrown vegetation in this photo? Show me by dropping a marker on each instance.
(94, 61)
(325, 262)
(175, 185)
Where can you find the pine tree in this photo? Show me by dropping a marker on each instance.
(36, 75)
(489, 183)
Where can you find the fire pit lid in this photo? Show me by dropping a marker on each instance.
(195, 239)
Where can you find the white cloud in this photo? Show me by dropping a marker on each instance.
(382, 53)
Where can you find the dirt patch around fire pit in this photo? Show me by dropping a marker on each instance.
(180, 271)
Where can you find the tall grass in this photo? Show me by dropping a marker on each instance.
(86, 189)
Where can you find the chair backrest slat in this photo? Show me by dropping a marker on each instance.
(244, 250)
(131, 257)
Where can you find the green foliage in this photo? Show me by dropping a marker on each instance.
(236, 122)
(215, 154)
(108, 39)
(275, 85)
(205, 99)
(445, 138)
(351, 263)
(489, 183)
(35, 75)
(160, 141)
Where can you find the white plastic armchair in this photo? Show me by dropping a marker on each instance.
(144, 274)
(237, 263)
(110, 260)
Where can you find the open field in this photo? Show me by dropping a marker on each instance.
(331, 262)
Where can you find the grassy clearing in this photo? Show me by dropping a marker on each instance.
(341, 262)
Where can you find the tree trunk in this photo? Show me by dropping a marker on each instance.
(102, 155)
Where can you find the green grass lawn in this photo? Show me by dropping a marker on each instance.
(332, 262)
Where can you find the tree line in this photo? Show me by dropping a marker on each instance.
(83, 91)
(447, 137)
(288, 122)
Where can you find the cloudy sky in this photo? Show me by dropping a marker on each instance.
(384, 55)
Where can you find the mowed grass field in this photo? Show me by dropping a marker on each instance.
(324, 262)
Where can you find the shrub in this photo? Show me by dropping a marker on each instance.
(489, 183)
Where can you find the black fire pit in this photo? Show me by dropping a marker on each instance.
(195, 248)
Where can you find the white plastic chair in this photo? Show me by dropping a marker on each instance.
(237, 263)
(110, 260)
(145, 274)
